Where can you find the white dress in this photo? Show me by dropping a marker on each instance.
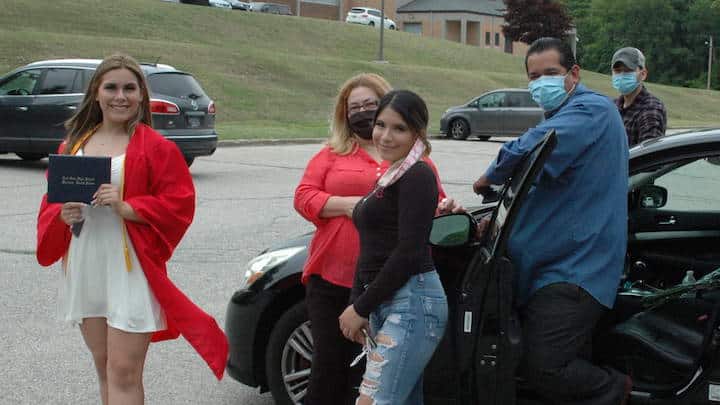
(96, 282)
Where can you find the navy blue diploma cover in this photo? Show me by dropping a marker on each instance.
(76, 178)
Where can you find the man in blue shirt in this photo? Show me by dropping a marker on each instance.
(568, 244)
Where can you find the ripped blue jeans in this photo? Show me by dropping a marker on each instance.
(407, 329)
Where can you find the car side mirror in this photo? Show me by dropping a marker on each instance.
(652, 197)
(452, 230)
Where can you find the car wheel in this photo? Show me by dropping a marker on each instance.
(30, 156)
(289, 356)
(459, 129)
(371, 23)
(392, 27)
(189, 160)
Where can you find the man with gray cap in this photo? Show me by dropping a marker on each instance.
(643, 114)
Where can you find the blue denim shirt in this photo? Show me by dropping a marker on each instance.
(573, 226)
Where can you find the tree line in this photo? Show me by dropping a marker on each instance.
(674, 35)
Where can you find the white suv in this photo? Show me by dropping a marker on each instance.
(368, 16)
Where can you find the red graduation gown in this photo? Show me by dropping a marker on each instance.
(159, 187)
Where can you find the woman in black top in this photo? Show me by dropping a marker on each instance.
(397, 296)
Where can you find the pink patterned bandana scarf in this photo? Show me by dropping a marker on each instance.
(399, 168)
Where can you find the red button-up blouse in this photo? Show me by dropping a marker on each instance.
(335, 247)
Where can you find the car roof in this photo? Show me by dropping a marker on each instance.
(508, 89)
(680, 139)
(148, 68)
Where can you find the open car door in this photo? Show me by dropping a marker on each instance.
(489, 335)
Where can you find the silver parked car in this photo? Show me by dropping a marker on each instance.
(503, 112)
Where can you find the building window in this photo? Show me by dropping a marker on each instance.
(497, 39)
(413, 28)
(508, 45)
(487, 38)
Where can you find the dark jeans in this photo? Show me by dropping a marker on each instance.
(332, 381)
(558, 324)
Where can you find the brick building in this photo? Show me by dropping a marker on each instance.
(338, 9)
(472, 22)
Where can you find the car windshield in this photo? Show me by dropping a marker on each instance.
(179, 85)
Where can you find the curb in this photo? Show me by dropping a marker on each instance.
(290, 141)
(309, 141)
(268, 142)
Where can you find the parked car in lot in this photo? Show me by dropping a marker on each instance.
(239, 5)
(499, 113)
(36, 100)
(271, 8)
(368, 16)
(220, 4)
(670, 349)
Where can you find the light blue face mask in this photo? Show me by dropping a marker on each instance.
(548, 91)
(625, 83)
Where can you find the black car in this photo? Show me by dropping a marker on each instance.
(663, 333)
(37, 99)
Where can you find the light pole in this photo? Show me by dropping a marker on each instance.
(710, 56)
(381, 57)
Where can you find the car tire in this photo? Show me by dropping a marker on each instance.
(31, 157)
(459, 129)
(289, 356)
(392, 27)
(371, 23)
(189, 160)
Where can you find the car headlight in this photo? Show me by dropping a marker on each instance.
(257, 267)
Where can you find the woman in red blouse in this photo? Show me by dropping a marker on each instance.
(336, 178)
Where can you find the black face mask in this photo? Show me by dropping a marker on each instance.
(361, 123)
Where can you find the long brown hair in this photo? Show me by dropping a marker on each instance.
(413, 110)
(342, 141)
(90, 115)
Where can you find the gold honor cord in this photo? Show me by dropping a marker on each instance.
(126, 250)
(79, 144)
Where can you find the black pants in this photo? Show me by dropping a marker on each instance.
(558, 324)
(332, 381)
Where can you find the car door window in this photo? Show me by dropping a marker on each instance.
(375, 13)
(515, 100)
(20, 84)
(494, 100)
(527, 101)
(693, 187)
(58, 81)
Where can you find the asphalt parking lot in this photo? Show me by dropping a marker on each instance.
(244, 204)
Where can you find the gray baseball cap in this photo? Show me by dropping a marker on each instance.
(630, 57)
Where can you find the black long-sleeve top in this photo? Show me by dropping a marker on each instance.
(394, 227)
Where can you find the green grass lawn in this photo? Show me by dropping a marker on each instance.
(275, 76)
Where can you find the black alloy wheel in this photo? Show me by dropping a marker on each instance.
(459, 129)
(289, 356)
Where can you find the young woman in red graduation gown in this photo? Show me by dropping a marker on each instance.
(115, 283)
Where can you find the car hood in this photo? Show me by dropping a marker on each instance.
(302, 240)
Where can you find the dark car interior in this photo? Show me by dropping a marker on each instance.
(664, 345)
(674, 228)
